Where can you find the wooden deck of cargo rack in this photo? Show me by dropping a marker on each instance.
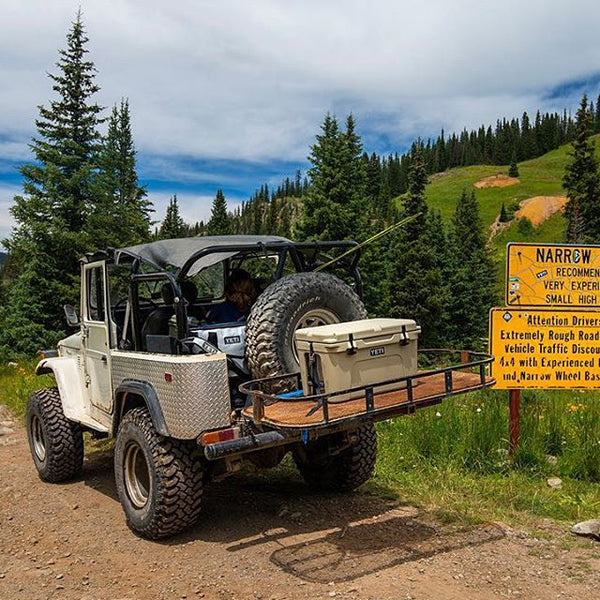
(424, 388)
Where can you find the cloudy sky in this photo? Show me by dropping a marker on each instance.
(230, 93)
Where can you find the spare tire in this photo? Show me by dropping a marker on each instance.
(293, 302)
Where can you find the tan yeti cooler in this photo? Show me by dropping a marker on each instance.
(358, 353)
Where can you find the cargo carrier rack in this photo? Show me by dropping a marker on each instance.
(279, 402)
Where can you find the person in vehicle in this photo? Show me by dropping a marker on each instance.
(240, 294)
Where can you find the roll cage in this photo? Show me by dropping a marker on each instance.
(175, 260)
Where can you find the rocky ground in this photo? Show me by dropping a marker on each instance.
(265, 541)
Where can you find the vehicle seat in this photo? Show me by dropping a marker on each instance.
(157, 322)
(190, 292)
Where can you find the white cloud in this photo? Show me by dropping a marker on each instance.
(7, 192)
(252, 80)
(240, 80)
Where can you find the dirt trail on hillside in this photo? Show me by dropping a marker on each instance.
(265, 542)
(540, 208)
(494, 181)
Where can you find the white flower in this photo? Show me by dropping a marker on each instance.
(438, 414)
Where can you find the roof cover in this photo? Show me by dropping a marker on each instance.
(177, 252)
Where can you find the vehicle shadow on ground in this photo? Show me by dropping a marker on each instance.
(318, 537)
(98, 472)
(325, 537)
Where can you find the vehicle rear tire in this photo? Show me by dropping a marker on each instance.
(295, 301)
(343, 471)
(56, 443)
(159, 480)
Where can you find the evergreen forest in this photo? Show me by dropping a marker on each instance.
(81, 193)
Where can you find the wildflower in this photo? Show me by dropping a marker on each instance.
(573, 408)
(438, 414)
(478, 409)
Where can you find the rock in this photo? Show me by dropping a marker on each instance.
(6, 430)
(588, 529)
(555, 483)
(552, 460)
(10, 424)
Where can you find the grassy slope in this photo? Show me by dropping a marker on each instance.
(539, 177)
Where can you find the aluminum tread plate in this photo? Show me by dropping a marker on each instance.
(197, 397)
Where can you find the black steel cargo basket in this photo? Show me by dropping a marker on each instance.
(279, 402)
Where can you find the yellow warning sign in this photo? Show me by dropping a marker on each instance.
(552, 275)
(537, 348)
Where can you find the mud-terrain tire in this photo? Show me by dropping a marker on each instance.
(298, 300)
(341, 472)
(56, 443)
(159, 479)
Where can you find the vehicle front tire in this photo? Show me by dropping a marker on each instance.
(324, 468)
(158, 479)
(56, 443)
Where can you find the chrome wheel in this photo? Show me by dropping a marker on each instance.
(137, 475)
(37, 437)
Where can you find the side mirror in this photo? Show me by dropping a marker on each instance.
(71, 314)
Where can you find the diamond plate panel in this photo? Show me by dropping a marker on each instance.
(196, 398)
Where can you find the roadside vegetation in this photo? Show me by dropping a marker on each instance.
(453, 459)
(17, 381)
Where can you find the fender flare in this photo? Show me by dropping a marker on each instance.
(148, 394)
(69, 382)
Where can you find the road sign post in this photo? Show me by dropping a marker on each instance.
(514, 427)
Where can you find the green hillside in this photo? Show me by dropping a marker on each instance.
(538, 177)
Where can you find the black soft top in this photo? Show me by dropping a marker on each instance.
(197, 253)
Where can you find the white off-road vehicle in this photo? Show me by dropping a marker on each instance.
(186, 400)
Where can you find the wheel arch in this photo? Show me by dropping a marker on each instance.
(69, 380)
(132, 394)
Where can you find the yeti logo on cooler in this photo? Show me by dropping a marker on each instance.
(232, 339)
(377, 351)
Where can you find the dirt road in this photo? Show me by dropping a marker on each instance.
(265, 541)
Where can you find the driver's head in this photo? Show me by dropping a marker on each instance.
(240, 290)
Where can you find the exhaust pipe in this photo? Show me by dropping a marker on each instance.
(267, 439)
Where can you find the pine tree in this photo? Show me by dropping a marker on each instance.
(173, 225)
(582, 182)
(414, 281)
(122, 215)
(471, 276)
(513, 170)
(503, 214)
(52, 213)
(219, 223)
(337, 182)
(355, 180)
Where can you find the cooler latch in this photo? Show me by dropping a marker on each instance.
(351, 345)
(313, 371)
(404, 339)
